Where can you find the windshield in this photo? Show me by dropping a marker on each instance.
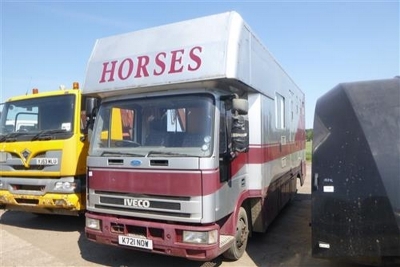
(38, 115)
(180, 125)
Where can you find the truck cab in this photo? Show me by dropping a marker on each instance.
(43, 149)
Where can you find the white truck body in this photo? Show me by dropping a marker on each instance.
(216, 57)
(220, 46)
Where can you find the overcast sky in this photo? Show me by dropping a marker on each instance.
(46, 44)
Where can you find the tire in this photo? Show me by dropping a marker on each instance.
(241, 236)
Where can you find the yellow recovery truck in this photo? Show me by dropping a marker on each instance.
(43, 149)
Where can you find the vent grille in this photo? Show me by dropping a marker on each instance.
(113, 208)
(153, 204)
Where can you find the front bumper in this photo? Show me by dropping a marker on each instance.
(166, 237)
(50, 203)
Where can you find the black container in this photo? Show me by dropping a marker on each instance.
(356, 173)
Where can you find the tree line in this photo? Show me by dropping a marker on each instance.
(309, 135)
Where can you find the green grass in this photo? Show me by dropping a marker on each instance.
(308, 151)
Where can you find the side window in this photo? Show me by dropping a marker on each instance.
(121, 124)
(127, 118)
(117, 125)
(280, 122)
(223, 130)
(26, 121)
(83, 114)
(176, 120)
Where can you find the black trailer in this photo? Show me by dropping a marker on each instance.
(356, 173)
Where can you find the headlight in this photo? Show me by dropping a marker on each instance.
(64, 186)
(210, 237)
(1, 184)
(93, 223)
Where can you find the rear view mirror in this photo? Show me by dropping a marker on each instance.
(91, 105)
(240, 105)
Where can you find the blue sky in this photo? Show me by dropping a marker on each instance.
(319, 43)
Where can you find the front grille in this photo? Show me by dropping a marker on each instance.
(153, 204)
(114, 208)
(27, 201)
(146, 206)
(117, 228)
(137, 231)
(180, 198)
(31, 167)
(17, 187)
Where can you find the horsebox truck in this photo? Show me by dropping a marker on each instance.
(356, 173)
(217, 143)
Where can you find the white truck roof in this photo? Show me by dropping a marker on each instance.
(201, 49)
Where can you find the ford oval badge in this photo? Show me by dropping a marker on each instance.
(136, 162)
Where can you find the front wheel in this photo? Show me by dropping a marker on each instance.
(242, 234)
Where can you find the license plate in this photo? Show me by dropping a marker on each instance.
(135, 242)
(47, 161)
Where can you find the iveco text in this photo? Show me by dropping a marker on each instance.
(142, 203)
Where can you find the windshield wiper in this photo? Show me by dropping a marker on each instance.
(172, 154)
(47, 134)
(105, 153)
(11, 137)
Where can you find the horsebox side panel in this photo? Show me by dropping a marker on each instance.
(356, 172)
